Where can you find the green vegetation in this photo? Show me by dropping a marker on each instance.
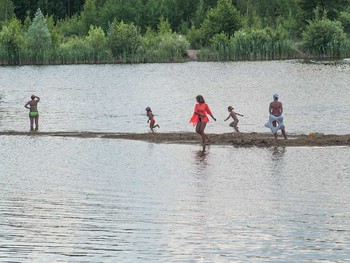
(146, 31)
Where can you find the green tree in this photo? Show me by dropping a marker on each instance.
(89, 15)
(55, 34)
(120, 10)
(12, 40)
(332, 7)
(38, 35)
(72, 26)
(323, 37)
(198, 17)
(224, 18)
(96, 38)
(57, 9)
(344, 18)
(123, 38)
(6, 11)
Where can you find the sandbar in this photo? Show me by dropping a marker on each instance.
(237, 140)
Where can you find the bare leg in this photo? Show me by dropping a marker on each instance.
(284, 134)
(200, 130)
(234, 125)
(151, 126)
(36, 123)
(31, 123)
(274, 123)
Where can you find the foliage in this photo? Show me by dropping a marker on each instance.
(123, 38)
(332, 7)
(75, 50)
(89, 15)
(57, 9)
(344, 19)
(325, 38)
(70, 26)
(162, 46)
(55, 34)
(38, 35)
(249, 44)
(6, 11)
(224, 18)
(195, 37)
(97, 40)
(11, 41)
(99, 31)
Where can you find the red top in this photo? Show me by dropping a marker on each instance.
(203, 109)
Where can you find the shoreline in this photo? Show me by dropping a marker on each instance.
(230, 139)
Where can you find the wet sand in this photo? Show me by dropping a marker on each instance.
(237, 140)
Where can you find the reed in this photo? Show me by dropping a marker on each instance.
(252, 44)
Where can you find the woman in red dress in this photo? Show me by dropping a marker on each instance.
(200, 118)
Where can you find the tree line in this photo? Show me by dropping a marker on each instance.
(114, 31)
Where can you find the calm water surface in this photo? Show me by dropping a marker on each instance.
(99, 200)
(95, 200)
(113, 97)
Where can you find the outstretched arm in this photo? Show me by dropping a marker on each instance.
(228, 117)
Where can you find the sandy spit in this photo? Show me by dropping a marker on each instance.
(237, 140)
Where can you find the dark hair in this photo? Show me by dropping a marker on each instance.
(200, 99)
(32, 97)
(230, 108)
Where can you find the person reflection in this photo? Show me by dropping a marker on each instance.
(201, 157)
(278, 152)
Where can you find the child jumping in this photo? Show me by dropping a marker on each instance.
(151, 119)
(234, 117)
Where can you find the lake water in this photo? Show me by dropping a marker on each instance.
(316, 98)
(105, 200)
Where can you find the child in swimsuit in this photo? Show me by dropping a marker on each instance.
(151, 119)
(234, 117)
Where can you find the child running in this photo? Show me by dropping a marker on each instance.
(234, 117)
(151, 119)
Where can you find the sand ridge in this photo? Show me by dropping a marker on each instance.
(237, 140)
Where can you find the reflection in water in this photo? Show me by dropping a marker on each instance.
(201, 156)
(93, 200)
(278, 159)
(278, 152)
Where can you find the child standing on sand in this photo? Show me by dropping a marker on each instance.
(234, 117)
(151, 119)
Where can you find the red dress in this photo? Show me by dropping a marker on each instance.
(203, 109)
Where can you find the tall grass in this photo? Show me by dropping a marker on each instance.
(75, 50)
(256, 44)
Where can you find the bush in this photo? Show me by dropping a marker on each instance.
(344, 19)
(325, 38)
(224, 18)
(123, 39)
(96, 39)
(195, 38)
(75, 50)
(163, 46)
(249, 44)
(11, 42)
